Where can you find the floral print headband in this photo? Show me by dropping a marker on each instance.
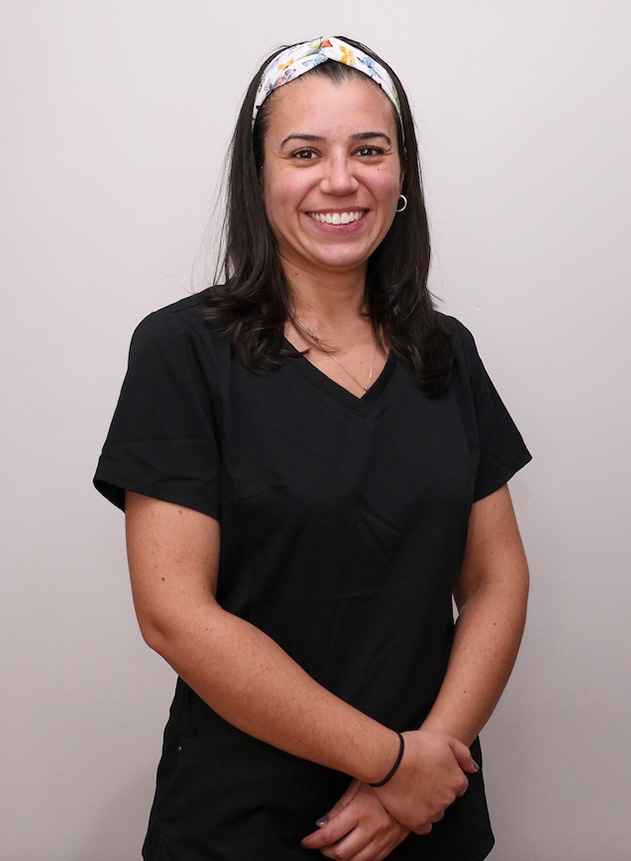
(295, 61)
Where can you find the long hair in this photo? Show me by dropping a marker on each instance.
(253, 303)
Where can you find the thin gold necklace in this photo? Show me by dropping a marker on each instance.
(317, 341)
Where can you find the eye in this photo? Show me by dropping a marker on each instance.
(305, 154)
(368, 151)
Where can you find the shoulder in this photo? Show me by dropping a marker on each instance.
(178, 316)
(462, 341)
(454, 327)
(178, 326)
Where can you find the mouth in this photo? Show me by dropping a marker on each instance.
(338, 217)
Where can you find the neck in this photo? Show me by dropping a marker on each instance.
(325, 296)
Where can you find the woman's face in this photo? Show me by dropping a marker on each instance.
(331, 176)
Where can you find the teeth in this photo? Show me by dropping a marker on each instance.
(337, 217)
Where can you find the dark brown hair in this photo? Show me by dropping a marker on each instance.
(253, 302)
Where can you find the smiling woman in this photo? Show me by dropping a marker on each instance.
(313, 464)
(331, 176)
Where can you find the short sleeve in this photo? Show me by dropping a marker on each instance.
(500, 447)
(162, 441)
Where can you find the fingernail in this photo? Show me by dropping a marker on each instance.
(475, 765)
(323, 821)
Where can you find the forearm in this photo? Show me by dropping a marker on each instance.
(253, 684)
(487, 637)
(491, 594)
(234, 667)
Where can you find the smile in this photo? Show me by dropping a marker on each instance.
(337, 217)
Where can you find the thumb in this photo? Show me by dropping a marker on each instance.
(463, 757)
(340, 804)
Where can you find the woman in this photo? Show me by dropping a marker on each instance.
(312, 461)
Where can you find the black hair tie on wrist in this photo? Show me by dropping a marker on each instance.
(397, 763)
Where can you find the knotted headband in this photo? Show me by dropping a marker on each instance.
(295, 61)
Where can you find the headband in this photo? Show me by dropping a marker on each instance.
(298, 59)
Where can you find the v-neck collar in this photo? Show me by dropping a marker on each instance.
(361, 405)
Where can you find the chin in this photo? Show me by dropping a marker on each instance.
(343, 261)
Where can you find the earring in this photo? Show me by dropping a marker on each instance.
(403, 203)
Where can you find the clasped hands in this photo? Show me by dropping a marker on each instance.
(367, 823)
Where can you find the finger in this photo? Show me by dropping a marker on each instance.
(377, 849)
(372, 854)
(340, 804)
(359, 845)
(463, 756)
(369, 853)
(314, 840)
(464, 785)
(332, 831)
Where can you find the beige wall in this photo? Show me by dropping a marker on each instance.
(116, 117)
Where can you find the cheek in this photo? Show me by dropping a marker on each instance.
(388, 186)
(279, 200)
(283, 208)
(279, 197)
(270, 202)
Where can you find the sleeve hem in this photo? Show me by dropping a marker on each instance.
(500, 476)
(113, 488)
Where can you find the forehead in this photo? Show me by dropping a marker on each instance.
(317, 105)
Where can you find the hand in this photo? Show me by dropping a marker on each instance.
(358, 828)
(429, 779)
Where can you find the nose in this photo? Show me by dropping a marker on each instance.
(338, 178)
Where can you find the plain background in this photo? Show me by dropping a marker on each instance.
(116, 118)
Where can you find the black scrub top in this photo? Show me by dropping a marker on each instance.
(343, 527)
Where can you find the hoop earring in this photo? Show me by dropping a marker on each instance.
(403, 203)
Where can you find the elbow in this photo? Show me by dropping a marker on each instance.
(157, 633)
(172, 631)
(509, 590)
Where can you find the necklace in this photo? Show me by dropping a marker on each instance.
(331, 355)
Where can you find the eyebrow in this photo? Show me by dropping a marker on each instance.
(359, 136)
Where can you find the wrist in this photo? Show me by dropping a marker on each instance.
(384, 752)
(453, 728)
(395, 765)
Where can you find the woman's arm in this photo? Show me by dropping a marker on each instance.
(491, 595)
(252, 683)
(238, 670)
